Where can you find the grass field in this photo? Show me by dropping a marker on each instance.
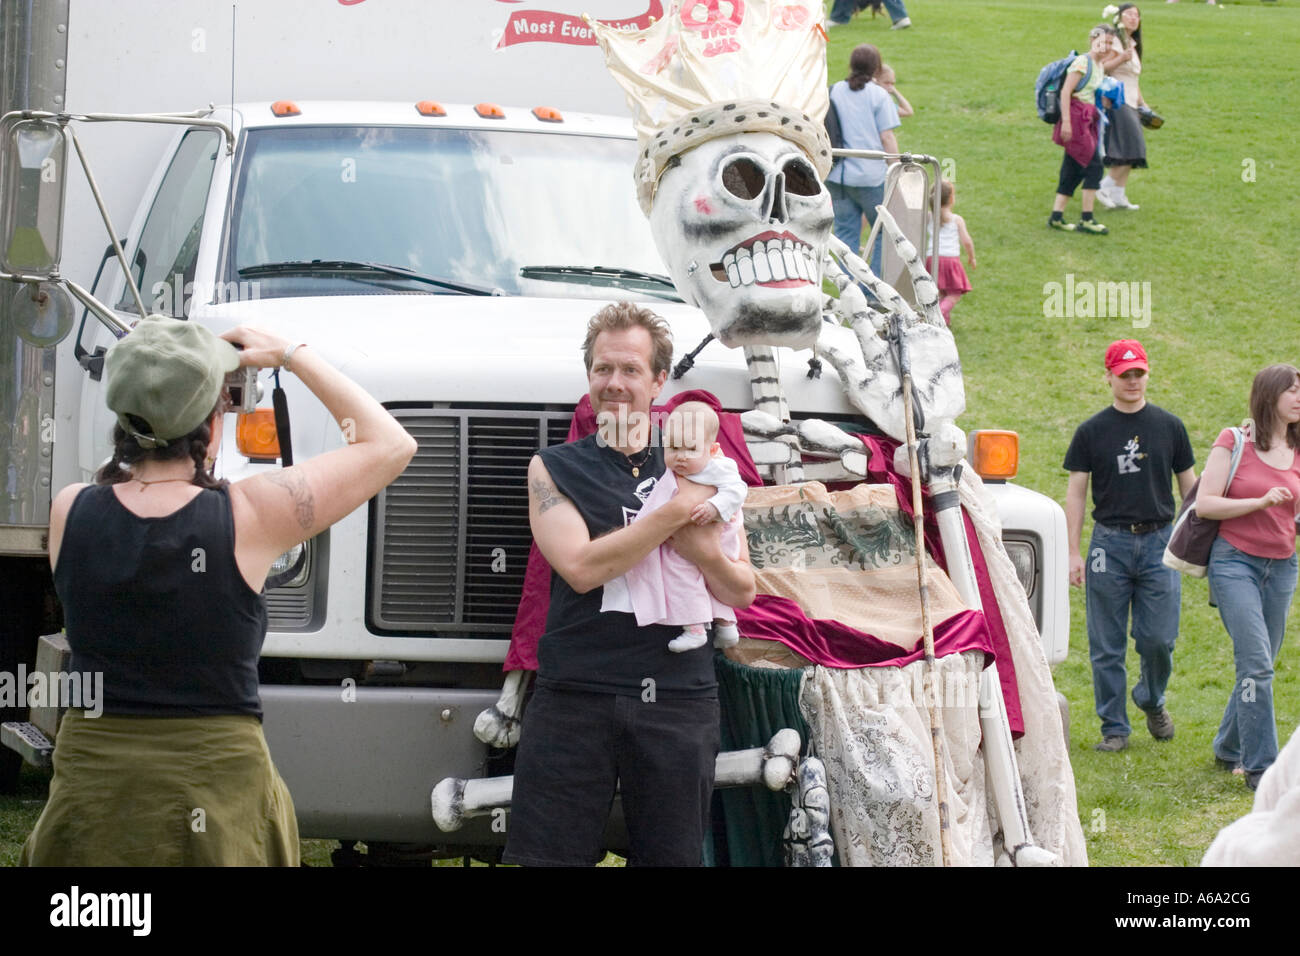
(1214, 239)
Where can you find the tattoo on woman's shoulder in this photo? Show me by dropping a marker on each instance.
(303, 499)
(546, 495)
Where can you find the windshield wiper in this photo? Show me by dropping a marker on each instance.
(308, 267)
(631, 279)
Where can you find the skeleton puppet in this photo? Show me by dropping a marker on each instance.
(730, 173)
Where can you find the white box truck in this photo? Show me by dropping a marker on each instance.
(447, 257)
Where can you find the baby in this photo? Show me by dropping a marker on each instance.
(665, 588)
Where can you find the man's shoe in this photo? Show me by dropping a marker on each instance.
(1160, 724)
(837, 23)
(1253, 777)
(902, 24)
(1092, 226)
(1061, 224)
(1112, 743)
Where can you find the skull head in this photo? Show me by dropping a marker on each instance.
(743, 222)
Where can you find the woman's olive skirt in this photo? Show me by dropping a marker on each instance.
(164, 791)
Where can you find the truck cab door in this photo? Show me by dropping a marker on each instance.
(163, 251)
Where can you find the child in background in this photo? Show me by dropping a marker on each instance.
(953, 238)
(1077, 132)
(665, 588)
(885, 78)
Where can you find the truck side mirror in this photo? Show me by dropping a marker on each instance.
(31, 197)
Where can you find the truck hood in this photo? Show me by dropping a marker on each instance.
(497, 349)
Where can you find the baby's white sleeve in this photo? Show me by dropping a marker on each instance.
(722, 473)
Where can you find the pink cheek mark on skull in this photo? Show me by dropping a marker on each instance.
(702, 206)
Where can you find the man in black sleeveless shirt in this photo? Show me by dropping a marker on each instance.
(1130, 451)
(614, 709)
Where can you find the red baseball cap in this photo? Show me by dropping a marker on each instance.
(1124, 355)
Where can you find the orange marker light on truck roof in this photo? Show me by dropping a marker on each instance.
(490, 111)
(430, 108)
(548, 114)
(255, 434)
(994, 454)
(285, 108)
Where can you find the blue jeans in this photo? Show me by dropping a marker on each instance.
(1253, 595)
(1124, 571)
(844, 9)
(849, 203)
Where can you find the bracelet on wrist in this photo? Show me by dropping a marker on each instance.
(288, 354)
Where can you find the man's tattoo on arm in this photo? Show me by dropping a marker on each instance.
(546, 495)
(303, 499)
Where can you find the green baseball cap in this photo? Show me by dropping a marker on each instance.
(168, 373)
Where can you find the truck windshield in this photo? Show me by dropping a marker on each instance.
(476, 209)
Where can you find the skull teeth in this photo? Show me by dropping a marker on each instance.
(773, 261)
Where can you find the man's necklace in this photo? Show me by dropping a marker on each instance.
(636, 465)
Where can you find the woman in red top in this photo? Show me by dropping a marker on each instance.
(1253, 562)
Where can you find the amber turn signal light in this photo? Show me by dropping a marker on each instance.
(994, 454)
(490, 111)
(255, 434)
(430, 108)
(285, 108)
(548, 114)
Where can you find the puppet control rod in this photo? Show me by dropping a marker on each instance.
(938, 740)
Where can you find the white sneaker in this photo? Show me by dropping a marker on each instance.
(1105, 198)
(902, 24)
(1121, 202)
(1107, 183)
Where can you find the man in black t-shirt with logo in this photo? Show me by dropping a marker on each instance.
(614, 708)
(1130, 451)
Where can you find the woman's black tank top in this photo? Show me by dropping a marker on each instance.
(158, 606)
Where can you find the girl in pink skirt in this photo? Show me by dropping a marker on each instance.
(953, 238)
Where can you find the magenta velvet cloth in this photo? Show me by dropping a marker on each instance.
(834, 644)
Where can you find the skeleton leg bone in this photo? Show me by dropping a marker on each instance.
(455, 800)
(499, 725)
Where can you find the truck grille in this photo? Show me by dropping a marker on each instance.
(449, 538)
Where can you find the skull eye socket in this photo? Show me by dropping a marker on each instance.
(801, 179)
(744, 178)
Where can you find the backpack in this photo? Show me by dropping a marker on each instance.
(1047, 88)
(833, 129)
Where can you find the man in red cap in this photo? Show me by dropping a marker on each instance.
(1130, 451)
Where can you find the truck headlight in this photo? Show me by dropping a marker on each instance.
(1022, 556)
(287, 560)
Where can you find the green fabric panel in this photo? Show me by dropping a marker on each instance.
(755, 704)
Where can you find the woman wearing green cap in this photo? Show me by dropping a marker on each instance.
(159, 567)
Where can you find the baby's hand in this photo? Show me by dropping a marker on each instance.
(705, 514)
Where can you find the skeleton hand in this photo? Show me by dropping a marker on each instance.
(862, 355)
